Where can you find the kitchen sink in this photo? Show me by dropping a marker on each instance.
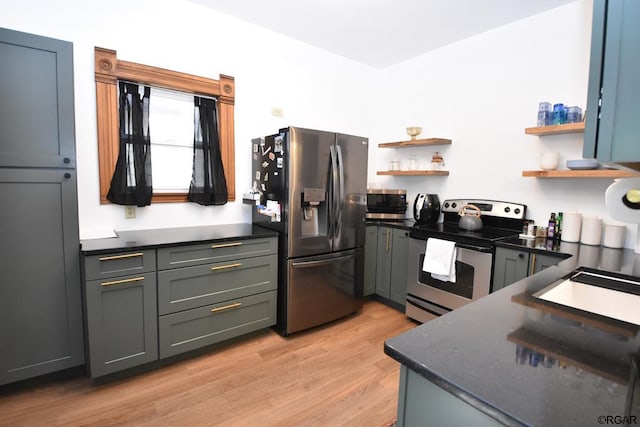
(597, 293)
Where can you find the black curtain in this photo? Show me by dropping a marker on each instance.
(131, 181)
(208, 182)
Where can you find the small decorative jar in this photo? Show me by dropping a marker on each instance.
(437, 162)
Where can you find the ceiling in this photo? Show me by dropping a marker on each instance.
(380, 33)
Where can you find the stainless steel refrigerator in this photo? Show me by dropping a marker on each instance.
(312, 190)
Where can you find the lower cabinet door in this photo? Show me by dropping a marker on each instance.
(191, 329)
(399, 259)
(122, 323)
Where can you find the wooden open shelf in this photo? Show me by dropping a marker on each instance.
(415, 143)
(594, 173)
(414, 173)
(556, 129)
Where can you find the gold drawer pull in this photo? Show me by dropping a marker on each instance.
(109, 258)
(226, 245)
(226, 307)
(120, 282)
(223, 267)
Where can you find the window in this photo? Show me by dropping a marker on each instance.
(171, 128)
(170, 187)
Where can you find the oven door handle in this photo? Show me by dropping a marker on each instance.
(461, 245)
(474, 248)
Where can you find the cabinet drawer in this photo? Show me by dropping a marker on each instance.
(184, 256)
(119, 264)
(190, 287)
(199, 327)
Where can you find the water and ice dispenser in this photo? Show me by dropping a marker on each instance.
(314, 212)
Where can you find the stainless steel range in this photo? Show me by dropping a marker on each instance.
(428, 296)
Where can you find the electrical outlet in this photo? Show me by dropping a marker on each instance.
(277, 112)
(130, 212)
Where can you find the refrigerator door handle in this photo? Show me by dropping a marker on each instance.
(310, 264)
(341, 195)
(334, 195)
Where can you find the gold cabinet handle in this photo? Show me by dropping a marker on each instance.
(226, 245)
(226, 307)
(223, 267)
(533, 264)
(120, 282)
(109, 258)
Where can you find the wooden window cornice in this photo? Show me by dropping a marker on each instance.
(109, 69)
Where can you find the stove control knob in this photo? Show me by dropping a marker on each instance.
(507, 209)
(454, 205)
(517, 211)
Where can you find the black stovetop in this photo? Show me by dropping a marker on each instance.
(451, 231)
(493, 230)
(500, 220)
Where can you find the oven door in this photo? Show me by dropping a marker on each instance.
(473, 277)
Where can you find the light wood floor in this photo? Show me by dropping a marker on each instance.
(336, 375)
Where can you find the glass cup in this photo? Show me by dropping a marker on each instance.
(544, 114)
(413, 163)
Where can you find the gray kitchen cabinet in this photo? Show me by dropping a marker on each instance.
(148, 304)
(192, 329)
(40, 289)
(36, 89)
(224, 290)
(399, 259)
(370, 259)
(512, 265)
(122, 322)
(612, 126)
(421, 402)
(391, 263)
(383, 262)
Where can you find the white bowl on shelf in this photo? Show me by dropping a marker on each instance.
(549, 160)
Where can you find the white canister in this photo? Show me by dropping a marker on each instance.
(571, 227)
(591, 233)
(614, 235)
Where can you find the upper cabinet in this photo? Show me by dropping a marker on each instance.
(612, 126)
(36, 89)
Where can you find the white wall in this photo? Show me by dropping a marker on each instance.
(481, 92)
(314, 88)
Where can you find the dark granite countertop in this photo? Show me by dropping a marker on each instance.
(153, 238)
(525, 365)
(539, 245)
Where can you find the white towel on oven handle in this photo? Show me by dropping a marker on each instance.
(440, 259)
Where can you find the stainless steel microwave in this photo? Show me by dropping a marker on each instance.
(386, 204)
